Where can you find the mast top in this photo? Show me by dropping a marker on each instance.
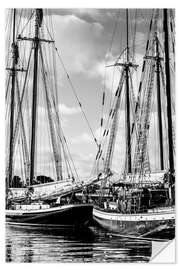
(39, 15)
(127, 35)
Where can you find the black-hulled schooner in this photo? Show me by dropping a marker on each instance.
(139, 201)
(41, 179)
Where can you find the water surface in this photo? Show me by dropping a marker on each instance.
(29, 244)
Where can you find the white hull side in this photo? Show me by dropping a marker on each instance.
(160, 224)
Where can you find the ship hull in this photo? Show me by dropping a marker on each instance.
(67, 215)
(161, 225)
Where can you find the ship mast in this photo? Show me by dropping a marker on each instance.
(38, 54)
(159, 102)
(13, 75)
(127, 101)
(124, 80)
(168, 91)
(34, 101)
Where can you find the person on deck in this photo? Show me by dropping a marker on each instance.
(129, 206)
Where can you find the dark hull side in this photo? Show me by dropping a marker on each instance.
(163, 229)
(75, 215)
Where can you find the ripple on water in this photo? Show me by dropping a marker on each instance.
(40, 245)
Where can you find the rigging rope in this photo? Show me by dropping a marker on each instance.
(77, 98)
(26, 23)
(73, 89)
(59, 131)
(104, 79)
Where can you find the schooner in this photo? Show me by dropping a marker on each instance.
(140, 202)
(37, 192)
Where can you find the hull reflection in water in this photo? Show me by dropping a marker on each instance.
(27, 244)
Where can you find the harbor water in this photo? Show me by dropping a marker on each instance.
(93, 244)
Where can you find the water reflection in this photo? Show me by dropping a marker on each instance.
(29, 244)
(28, 253)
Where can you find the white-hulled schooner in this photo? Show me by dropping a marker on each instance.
(34, 183)
(139, 202)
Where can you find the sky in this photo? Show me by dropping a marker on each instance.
(88, 40)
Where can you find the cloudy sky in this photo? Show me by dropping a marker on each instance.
(88, 40)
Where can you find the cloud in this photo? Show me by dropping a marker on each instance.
(65, 110)
(109, 76)
(82, 37)
(83, 138)
(83, 163)
(77, 41)
(87, 138)
(87, 14)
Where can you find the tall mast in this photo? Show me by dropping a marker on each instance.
(168, 91)
(13, 74)
(127, 35)
(113, 132)
(127, 102)
(159, 103)
(34, 98)
(124, 81)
